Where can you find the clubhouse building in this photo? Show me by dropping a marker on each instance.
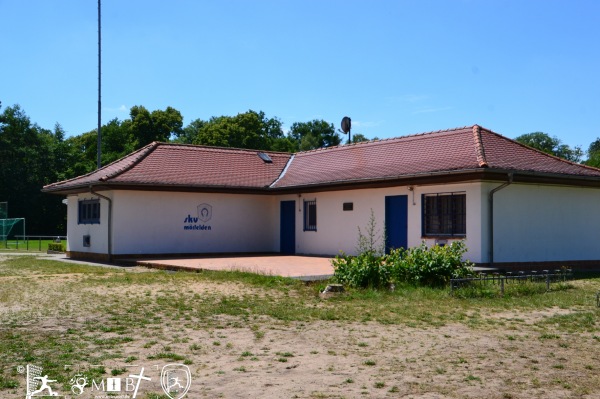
(513, 205)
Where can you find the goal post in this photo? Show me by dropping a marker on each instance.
(10, 228)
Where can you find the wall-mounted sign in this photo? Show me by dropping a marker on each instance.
(204, 214)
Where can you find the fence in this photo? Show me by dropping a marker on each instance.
(32, 243)
(513, 278)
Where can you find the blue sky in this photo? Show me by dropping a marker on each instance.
(395, 67)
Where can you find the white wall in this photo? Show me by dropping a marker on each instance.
(98, 232)
(153, 223)
(337, 230)
(531, 222)
(545, 223)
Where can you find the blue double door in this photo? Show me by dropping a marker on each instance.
(396, 222)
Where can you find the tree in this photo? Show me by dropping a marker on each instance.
(551, 145)
(593, 154)
(314, 134)
(157, 125)
(245, 130)
(117, 140)
(189, 133)
(359, 137)
(82, 153)
(29, 159)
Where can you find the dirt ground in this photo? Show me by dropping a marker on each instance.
(232, 357)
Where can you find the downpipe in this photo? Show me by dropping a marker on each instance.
(491, 217)
(109, 221)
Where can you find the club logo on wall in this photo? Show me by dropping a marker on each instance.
(204, 212)
(199, 222)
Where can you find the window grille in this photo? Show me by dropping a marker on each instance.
(444, 215)
(310, 215)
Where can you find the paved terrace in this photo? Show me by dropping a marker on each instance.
(306, 268)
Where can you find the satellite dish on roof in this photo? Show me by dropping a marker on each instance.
(346, 126)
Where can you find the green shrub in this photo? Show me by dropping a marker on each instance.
(365, 270)
(433, 266)
(54, 246)
(420, 265)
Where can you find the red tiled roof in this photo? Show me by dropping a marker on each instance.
(442, 152)
(185, 165)
(462, 149)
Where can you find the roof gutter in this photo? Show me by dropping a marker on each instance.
(109, 220)
(491, 216)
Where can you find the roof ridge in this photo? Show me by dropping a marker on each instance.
(377, 141)
(479, 149)
(137, 158)
(211, 147)
(283, 171)
(96, 171)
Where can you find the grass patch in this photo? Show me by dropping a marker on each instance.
(574, 322)
(100, 312)
(29, 245)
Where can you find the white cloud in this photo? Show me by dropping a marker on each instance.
(366, 124)
(121, 109)
(426, 110)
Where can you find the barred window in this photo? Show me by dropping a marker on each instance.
(89, 212)
(310, 215)
(445, 215)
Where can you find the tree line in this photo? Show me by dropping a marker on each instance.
(32, 156)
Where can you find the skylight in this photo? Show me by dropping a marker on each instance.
(265, 157)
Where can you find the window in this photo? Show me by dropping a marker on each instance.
(348, 206)
(310, 215)
(89, 211)
(445, 214)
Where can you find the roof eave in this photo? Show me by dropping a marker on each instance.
(429, 178)
(103, 186)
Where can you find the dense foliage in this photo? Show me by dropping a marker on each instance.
(372, 267)
(32, 156)
(551, 145)
(430, 266)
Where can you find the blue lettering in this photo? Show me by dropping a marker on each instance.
(197, 227)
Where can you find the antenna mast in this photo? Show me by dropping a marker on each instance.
(99, 161)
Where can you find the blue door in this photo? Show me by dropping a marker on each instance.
(396, 222)
(287, 228)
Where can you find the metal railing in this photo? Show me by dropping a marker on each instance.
(28, 243)
(545, 276)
